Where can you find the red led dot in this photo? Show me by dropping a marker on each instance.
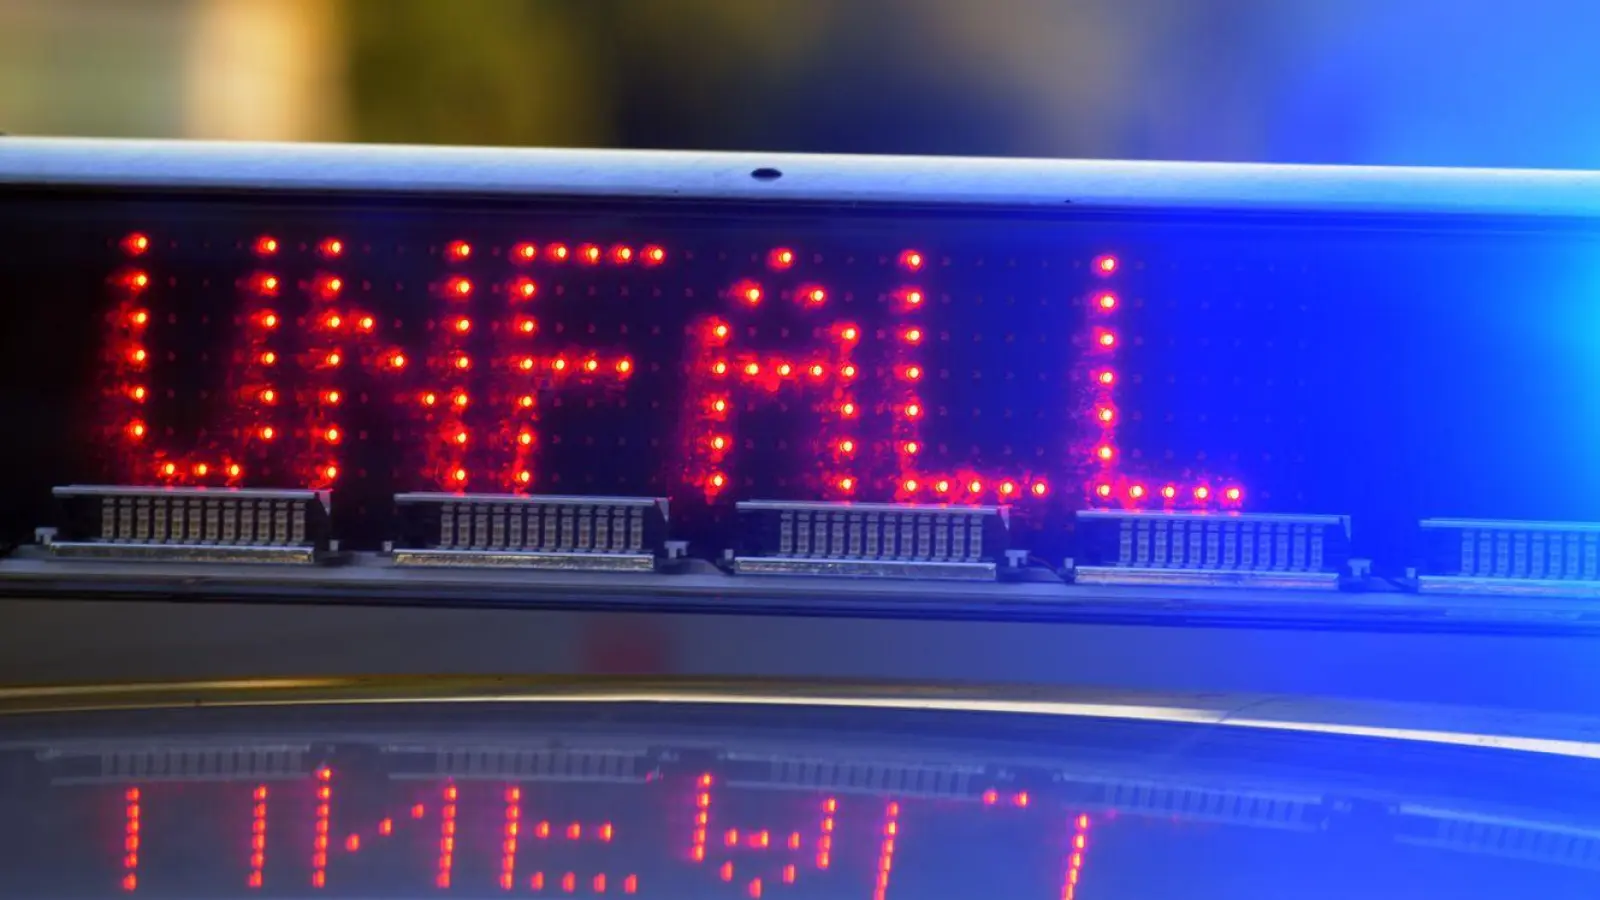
(332, 435)
(1007, 488)
(1106, 301)
(527, 326)
(331, 248)
(460, 399)
(460, 437)
(654, 256)
(329, 286)
(1169, 491)
(352, 843)
(524, 477)
(462, 361)
(912, 260)
(846, 445)
(911, 447)
(1040, 488)
(719, 443)
(266, 432)
(1106, 377)
(333, 359)
(1104, 452)
(589, 253)
(850, 333)
(816, 370)
(267, 285)
(910, 485)
(458, 287)
(463, 325)
(942, 486)
(1105, 414)
(524, 288)
(268, 396)
(750, 294)
(591, 365)
(1202, 493)
(913, 373)
(1136, 491)
(621, 255)
(719, 405)
(557, 252)
(136, 429)
(913, 410)
(847, 409)
(974, 486)
(333, 321)
(720, 331)
(816, 296)
(717, 480)
(1105, 265)
(524, 252)
(1233, 494)
(141, 317)
(847, 484)
(459, 476)
(397, 360)
(912, 335)
(752, 369)
(366, 323)
(201, 469)
(785, 370)
(848, 370)
(1105, 338)
(913, 298)
(624, 366)
(269, 320)
(558, 364)
(525, 401)
(781, 258)
(235, 470)
(525, 438)
(169, 469)
(135, 244)
(266, 246)
(1102, 490)
(458, 250)
(139, 355)
(138, 392)
(137, 280)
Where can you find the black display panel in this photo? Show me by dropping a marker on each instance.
(1386, 368)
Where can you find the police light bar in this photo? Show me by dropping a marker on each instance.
(1474, 556)
(612, 534)
(190, 524)
(881, 540)
(1211, 549)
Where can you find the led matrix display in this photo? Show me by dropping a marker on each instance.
(695, 364)
(713, 352)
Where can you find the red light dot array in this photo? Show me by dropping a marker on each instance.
(891, 828)
(130, 839)
(508, 847)
(258, 837)
(830, 806)
(1075, 854)
(702, 818)
(320, 826)
(447, 836)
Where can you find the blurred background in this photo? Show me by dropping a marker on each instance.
(1423, 82)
